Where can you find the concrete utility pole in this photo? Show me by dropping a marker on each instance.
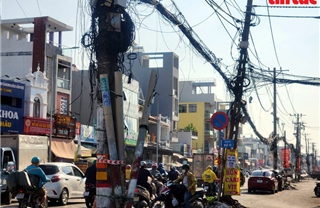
(142, 134)
(237, 86)
(298, 146)
(108, 43)
(275, 136)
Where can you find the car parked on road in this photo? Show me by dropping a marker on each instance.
(281, 179)
(67, 181)
(263, 180)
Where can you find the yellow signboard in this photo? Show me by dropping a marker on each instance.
(231, 174)
(232, 181)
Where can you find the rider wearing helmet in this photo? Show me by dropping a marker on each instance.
(161, 170)
(155, 173)
(173, 173)
(189, 181)
(35, 170)
(209, 176)
(143, 177)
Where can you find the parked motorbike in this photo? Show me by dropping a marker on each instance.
(89, 194)
(173, 196)
(317, 189)
(29, 198)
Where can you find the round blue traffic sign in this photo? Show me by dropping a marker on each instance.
(219, 120)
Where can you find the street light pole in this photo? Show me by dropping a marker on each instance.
(51, 106)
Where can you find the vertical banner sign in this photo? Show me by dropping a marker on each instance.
(104, 83)
(232, 158)
(231, 181)
(231, 174)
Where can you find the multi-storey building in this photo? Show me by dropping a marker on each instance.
(29, 43)
(196, 107)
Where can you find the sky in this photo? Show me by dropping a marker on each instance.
(290, 44)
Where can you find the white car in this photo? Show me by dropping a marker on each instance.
(67, 181)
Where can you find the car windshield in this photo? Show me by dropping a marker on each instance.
(49, 169)
(260, 173)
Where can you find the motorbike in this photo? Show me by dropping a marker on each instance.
(89, 194)
(172, 195)
(209, 189)
(317, 189)
(29, 198)
(141, 197)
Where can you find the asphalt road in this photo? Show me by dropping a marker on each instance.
(300, 197)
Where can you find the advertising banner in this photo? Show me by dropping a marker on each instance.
(12, 106)
(232, 158)
(285, 157)
(231, 181)
(38, 126)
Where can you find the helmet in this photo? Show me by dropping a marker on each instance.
(209, 167)
(160, 165)
(154, 165)
(143, 163)
(35, 160)
(128, 166)
(186, 167)
(172, 167)
(94, 162)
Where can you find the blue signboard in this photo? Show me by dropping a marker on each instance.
(12, 106)
(227, 143)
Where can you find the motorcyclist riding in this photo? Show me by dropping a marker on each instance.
(91, 173)
(189, 181)
(35, 170)
(209, 176)
(173, 173)
(162, 170)
(156, 174)
(143, 177)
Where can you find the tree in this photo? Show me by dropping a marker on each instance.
(191, 128)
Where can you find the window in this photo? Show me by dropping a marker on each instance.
(192, 108)
(77, 172)
(64, 106)
(36, 107)
(182, 108)
(67, 170)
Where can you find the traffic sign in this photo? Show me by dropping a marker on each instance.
(219, 120)
(227, 143)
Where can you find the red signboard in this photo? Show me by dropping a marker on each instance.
(36, 126)
(285, 157)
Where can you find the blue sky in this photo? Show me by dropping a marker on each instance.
(296, 49)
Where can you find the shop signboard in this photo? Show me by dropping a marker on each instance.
(12, 106)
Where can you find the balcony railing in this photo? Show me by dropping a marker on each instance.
(208, 115)
(208, 132)
(63, 83)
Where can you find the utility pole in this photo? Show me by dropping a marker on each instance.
(142, 134)
(237, 86)
(275, 136)
(307, 153)
(108, 41)
(298, 146)
(313, 156)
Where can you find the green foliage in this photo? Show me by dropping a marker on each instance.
(191, 128)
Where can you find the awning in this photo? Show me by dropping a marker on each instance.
(178, 155)
(176, 164)
(63, 148)
(85, 152)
